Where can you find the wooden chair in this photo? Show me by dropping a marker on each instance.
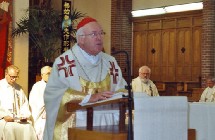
(161, 86)
(196, 94)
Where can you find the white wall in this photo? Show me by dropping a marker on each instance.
(21, 50)
(146, 4)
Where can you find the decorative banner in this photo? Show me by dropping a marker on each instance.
(5, 35)
(66, 25)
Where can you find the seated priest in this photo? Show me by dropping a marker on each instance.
(83, 73)
(208, 95)
(36, 102)
(15, 115)
(143, 83)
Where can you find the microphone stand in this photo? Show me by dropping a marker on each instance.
(130, 96)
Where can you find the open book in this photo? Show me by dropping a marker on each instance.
(115, 96)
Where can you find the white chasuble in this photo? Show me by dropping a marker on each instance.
(74, 77)
(14, 103)
(149, 88)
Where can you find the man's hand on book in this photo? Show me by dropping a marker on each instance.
(100, 96)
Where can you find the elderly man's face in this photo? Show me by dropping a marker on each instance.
(210, 83)
(11, 76)
(45, 76)
(144, 75)
(92, 41)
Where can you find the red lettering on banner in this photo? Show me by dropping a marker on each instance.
(114, 72)
(67, 69)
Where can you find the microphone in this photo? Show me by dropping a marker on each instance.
(127, 62)
(130, 94)
(128, 70)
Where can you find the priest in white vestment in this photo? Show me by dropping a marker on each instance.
(15, 115)
(36, 102)
(143, 83)
(208, 95)
(85, 73)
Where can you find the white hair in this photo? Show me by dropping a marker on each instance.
(79, 32)
(144, 67)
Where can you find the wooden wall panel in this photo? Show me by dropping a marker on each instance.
(179, 46)
(196, 52)
(196, 73)
(154, 52)
(140, 49)
(168, 59)
(176, 40)
(154, 45)
(170, 77)
(188, 47)
(197, 21)
(184, 56)
(140, 27)
(168, 23)
(172, 48)
(197, 32)
(154, 25)
(184, 22)
(137, 49)
(183, 73)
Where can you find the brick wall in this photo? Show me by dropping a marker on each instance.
(208, 40)
(121, 31)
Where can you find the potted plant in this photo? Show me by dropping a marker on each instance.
(44, 28)
(44, 25)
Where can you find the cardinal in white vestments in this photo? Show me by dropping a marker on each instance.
(84, 72)
(143, 84)
(36, 102)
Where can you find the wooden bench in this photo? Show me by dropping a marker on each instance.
(196, 94)
(161, 87)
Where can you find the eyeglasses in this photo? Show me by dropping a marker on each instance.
(13, 77)
(144, 73)
(46, 73)
(95, 34)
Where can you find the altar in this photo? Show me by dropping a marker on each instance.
(202, 119)
(193, 121)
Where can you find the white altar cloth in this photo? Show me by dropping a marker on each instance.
(160, 118)
(202, 119)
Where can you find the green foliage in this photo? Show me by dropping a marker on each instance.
(44, 26)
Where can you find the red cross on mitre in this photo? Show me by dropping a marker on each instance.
(114, 72)
(66, 65)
